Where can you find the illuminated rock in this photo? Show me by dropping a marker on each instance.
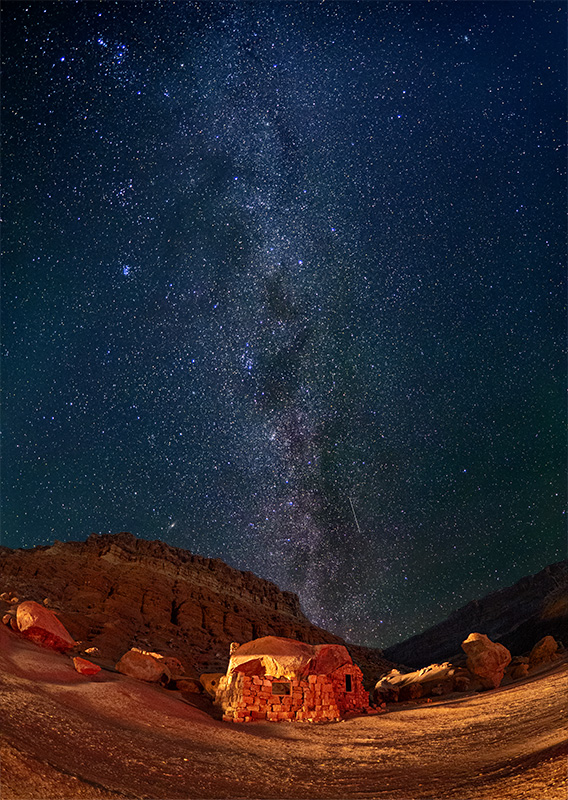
(210, 682)
(486, 659)
(144, 666)
(40, 625)
(543, 651)
(85, 667)
(434, 680)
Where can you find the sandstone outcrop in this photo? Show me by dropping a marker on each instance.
(114, 592)
(41, 626)
(486, 659)
(517, 617)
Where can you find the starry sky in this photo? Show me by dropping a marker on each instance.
(283, 284)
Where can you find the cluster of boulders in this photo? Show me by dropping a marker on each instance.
(168, 671)
(487, 665)
(39, 624)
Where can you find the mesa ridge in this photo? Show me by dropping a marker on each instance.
(116, 591)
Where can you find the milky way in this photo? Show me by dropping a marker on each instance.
(284, 285)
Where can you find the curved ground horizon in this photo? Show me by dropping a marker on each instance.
(69, 736)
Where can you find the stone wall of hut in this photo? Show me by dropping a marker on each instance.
(315, 698)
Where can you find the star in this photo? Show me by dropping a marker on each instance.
(276, 282)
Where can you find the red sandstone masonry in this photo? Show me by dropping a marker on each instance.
(317, 698)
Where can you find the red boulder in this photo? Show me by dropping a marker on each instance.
(85, 667)
(486, 659)
(40, 625)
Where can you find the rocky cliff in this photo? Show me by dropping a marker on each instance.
(517, 617)
(116, 591)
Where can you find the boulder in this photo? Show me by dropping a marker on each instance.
(40, 625)
(85, 667)
(173, 664)
(518, 668)
(462, 682)
(327, 658)
(436, 679)
(210, 682)
(250, 668)
(287, 658)
(486, 659)
(144, 666)
(411, 691)
(385, 693)
(189, 686)
(543, 652)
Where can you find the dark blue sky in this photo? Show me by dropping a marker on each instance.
(283, 283)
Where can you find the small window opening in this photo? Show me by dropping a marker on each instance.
(280, 688)
(348, 686)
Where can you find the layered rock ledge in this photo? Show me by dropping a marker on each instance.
(116, 591)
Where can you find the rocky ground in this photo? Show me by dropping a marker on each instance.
(65, 735)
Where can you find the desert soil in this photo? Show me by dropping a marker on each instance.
(68, 736)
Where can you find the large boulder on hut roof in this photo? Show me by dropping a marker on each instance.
(327, 658)
(288, 658)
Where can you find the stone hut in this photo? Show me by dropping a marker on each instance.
(277, 679)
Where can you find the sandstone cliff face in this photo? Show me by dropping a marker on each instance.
(516, 617)
(116, 591)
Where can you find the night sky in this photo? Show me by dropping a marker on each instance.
(283, 284)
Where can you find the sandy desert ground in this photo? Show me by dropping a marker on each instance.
(68, 736)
